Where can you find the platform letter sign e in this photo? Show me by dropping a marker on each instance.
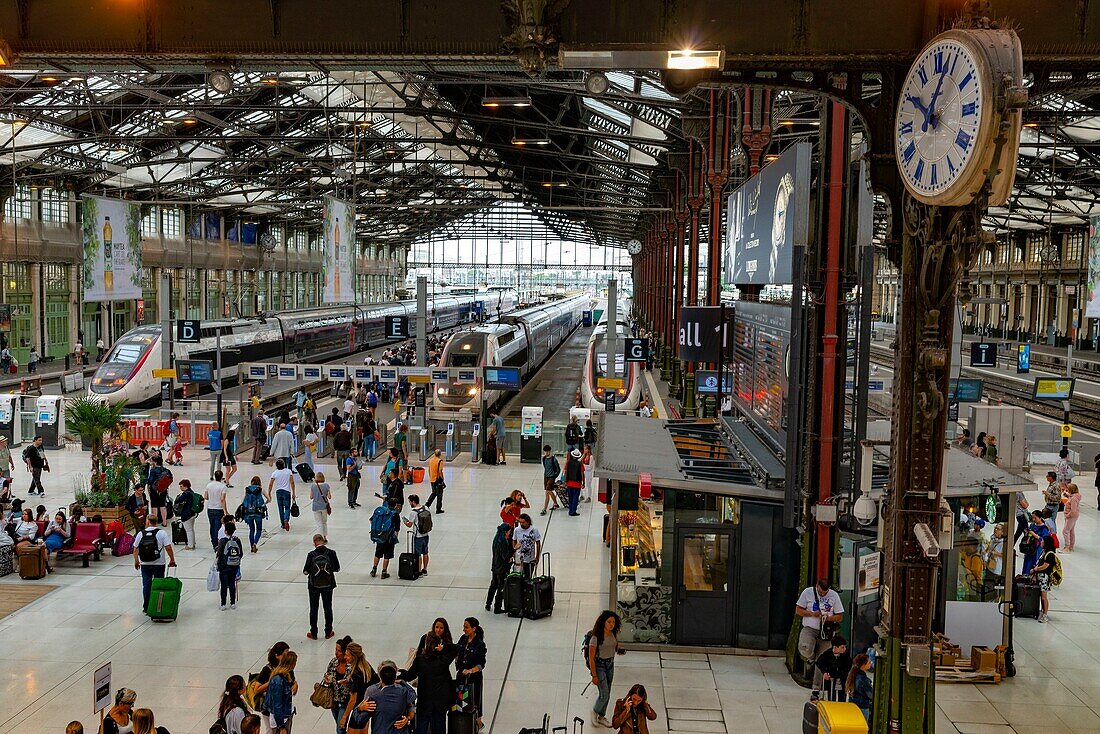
(188, 331)
(397, 327)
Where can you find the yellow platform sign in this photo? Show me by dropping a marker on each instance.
(610, 383)
(1067, 430)
(169, 374)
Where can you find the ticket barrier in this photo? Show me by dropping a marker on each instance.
(422, 436)
(475, 444)
(450, 444)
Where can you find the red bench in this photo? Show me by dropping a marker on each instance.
(87, 541)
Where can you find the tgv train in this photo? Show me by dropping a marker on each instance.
(523, 339)
(629, 396)
(307, 335)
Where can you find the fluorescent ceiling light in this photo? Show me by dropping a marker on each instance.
(505, 101)
(691, 59)
(541, 140)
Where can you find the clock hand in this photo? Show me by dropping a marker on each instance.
(915, 101)
(930, 115)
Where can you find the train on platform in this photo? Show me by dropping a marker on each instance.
(299, 336)
(593, 395)
(524, 339)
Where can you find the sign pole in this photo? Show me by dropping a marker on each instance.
(612, 321)
(422, 321)
(1069, 376)
(219, 383)
(166, 356)
(721, 358)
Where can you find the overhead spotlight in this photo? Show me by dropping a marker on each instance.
(13, 121)
(1031, 124)
(541, 140)
(270, 80)
(691, 59)
(49, 78)
(596, 83)
(364, 123)
(189, 119)
(506, 101)
(771, 157)
(221, 81)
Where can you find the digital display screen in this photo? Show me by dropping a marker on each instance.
(1052, 388)
(706, 382)
(337, 373)
(194, 370)
(966, 390)
(502, 378)
(761, 354)
(44, 417)
(363, 374)
(257, 371)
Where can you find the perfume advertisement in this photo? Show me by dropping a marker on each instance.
(338, 265)
(112, 249)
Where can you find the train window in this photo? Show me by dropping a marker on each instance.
(465, 360)
(518, 359)
(601, 364)
(505, 338)
(126, 353)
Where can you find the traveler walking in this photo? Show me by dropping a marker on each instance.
(34, 458)
(632, 712)
(435, 476)
(159, 481)
(385, 524)
(431, 669)
(419, 520)
(282, 482)
(551, 469)
(370, 440)
(603, 645)
(217, 506)
(527, 539)
(503, 556)
(300, 402)
(255, 510)
(310, 442)
(152, 552)
(1072, 512)
(574, 480)
(259, 436)
(188, 505)
(469, 666)
(341, 444)
(821, 611)
(321, 496)
(137, 507)
(214, 446)
(353, 472)
(230, 553)
(229, 456)
(280, 693)
(320, 570)
(282, 445)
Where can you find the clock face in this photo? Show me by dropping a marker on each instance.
(938, 126)
(634, 247)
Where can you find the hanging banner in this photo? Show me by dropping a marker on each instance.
(1092, 306)
(112, 249)
(339, 261)
(766, 217)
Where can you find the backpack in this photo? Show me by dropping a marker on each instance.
(330, 428)
(1056, 571)
(232, 551)
(197, 502)
(164, 482)
(180, 504)
(586, 640)
(254, 502)
(572, 433)
(148, 546)
(381, 525)
(167, 430)
(321, 575)
(423, 521)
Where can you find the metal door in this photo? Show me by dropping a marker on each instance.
(704, 596)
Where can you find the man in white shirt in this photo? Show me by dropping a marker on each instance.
(420, 539)
(152, 556)
(282, 481)
(349, 408)
(645, 411)
(815, 605)
(217, 506)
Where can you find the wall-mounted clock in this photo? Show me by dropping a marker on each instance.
(634, 247)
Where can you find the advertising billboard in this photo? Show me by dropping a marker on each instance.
(766, 217)
(338, 263)
(112, 249)
(1092, 304)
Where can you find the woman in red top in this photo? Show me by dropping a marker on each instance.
(513, 506)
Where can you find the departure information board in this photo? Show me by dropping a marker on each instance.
(761, 363)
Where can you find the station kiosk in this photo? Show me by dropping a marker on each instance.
(530, 441)
(10, 423)
(49, 420)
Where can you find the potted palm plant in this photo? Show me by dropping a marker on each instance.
(110, 480)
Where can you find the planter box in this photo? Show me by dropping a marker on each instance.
(110, 514)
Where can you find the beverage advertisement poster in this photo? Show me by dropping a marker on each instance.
(112, 249)
(338, 264)
(1092, 306)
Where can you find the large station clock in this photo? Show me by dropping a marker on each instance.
(634, 247)
(958, 117)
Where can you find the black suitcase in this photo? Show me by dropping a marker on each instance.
(513, 594)
(1025, 597)
(179, 534)
(461, 722)
(408, 564)
(544, 729)
(265, 451)
(305, 471)
(538, 593)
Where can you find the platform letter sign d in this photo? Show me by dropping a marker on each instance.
(188, 331)
(637, 350)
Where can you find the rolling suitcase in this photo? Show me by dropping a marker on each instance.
(538, 593)
(513, 594)
(179, 533)
(811, 713)
(562, 493)
(544, 729)
(461, 722)
(578, 727)
(1025, 597)
(31, 561)
(164, 599)
(408, 564)
(305, 471)
(265, 451)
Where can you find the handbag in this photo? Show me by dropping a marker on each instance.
(213, 579)
(294, 511)
(828, 629)
(322, 696)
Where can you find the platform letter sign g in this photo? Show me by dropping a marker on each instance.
(636, 350)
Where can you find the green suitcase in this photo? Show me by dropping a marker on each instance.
(164, 599)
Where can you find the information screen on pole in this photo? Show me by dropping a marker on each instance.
(966, 390)
(1053, 388)
(502, 378)
(194, 370)
(761, 364)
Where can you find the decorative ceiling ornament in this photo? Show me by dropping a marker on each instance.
(534, 31)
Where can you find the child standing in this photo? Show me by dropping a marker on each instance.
(858, 686)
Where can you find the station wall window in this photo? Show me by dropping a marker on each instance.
(193, 303)
(300, 240)
(18, 206)
(171, 223)
(149, 223)
(54, 206)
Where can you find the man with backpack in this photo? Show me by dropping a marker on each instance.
(34, 457)
(341, 444)
(150, 549)
(320, 570)
(384, 526)
(419, 519)
(230, 553)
